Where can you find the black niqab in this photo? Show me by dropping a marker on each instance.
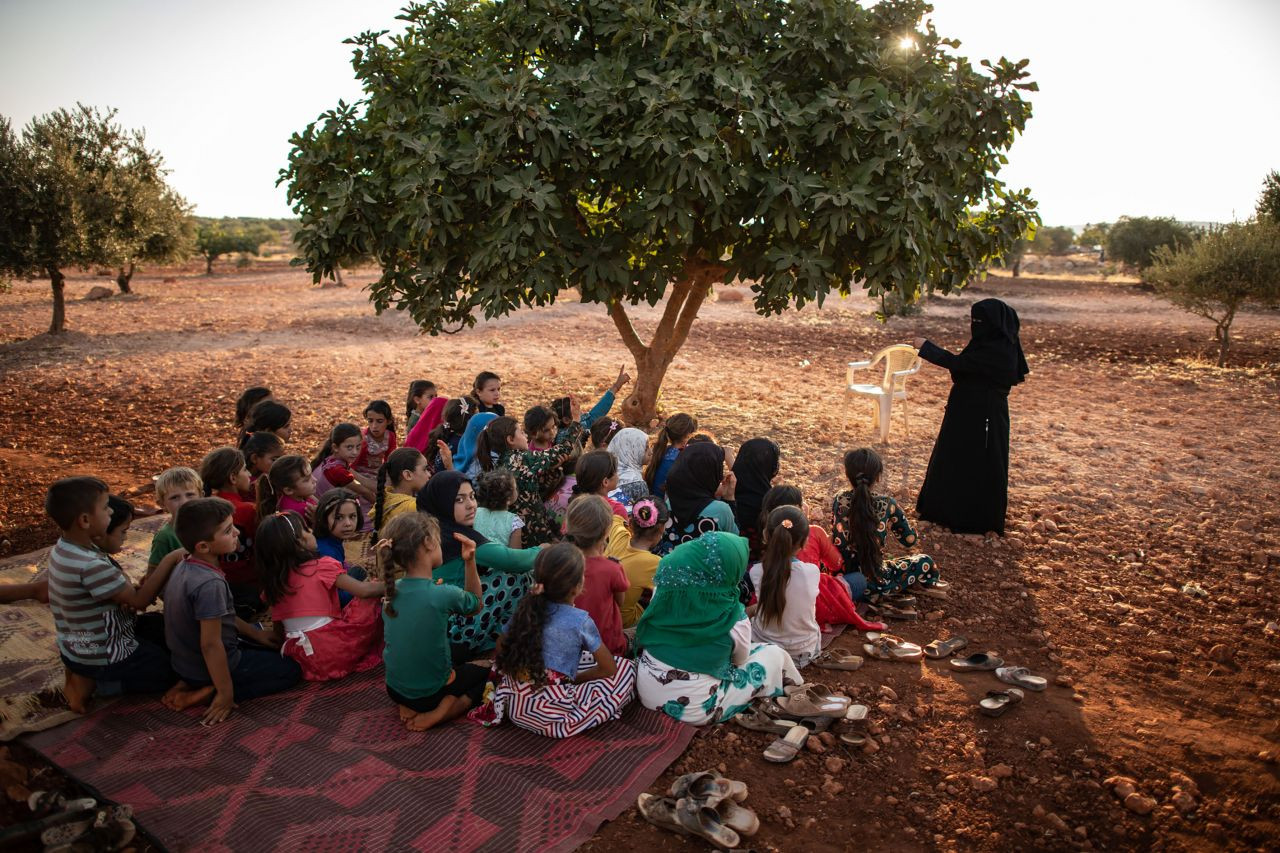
(994, 349)
(436, 499)
(755, 468)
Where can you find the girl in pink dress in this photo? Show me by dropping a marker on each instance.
(326, 639)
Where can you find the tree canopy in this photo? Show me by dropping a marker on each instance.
(77, 190)
(504, 152)
(215, 238)
(1269, 200)
(1134, 240)
(1053, 240)
(1225, 269)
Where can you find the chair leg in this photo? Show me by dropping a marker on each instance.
(875, 415)
(886, 409)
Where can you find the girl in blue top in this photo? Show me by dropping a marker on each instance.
(672, 438)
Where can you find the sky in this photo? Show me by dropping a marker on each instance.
(1145, 108)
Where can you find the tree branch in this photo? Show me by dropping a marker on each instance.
(626, 330)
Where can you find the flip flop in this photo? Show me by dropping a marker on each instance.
(999, 701)
(813, 703)
(661, 812)
(710, 788)
(787, 747)
(1021, 677)
(977, 662)
(740, 819)
(704, 822)
(889, 647)
(846, 663)
(757, 720)
(945, 648)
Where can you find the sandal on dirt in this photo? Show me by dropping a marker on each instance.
(977, 662)
(941, 589)
(813, 703)
(740, 819)
(660, 811)
(889, 647)
(828, 660)
(852, 739)
(901, 614)
(787, 747)
(856, 713)
(945, 648)
(999, 701)
(708, 788)
(1020, 676)
(771, 708)
(757, 720)
(704, 822)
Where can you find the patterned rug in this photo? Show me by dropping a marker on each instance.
(30, 671)
(330, 767)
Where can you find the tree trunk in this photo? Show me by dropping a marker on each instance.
(58, 281)
(208, 264)
(652, 360)
(1017, 267)
(123, 278)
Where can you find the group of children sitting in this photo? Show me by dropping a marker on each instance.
(587, 560)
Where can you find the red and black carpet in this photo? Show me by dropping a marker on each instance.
(331, 767)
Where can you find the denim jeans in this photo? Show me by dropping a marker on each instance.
(260, 672)
(857, 583)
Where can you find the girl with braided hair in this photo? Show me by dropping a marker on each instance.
(861, 523)
(542, 687)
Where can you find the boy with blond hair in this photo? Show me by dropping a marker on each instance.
(174, 487)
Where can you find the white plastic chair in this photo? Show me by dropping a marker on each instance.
(900, 361)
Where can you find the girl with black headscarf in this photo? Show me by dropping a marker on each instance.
(700, 494)
(754, 468)
(967, 485)
(505, 573)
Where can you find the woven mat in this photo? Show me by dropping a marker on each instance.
(30, 671)
(331, 767)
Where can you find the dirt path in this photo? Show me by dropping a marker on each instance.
(1137, 471)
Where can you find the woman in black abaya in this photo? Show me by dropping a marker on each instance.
(967, 485)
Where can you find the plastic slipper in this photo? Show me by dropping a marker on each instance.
(771, 708)
(852, 739)
(813, 703)
(1021, 677)
(856, 713)
(939, 590)
(740, 819)
(757, 720)
(787, 747)
(889, 647)
(660, 811)
(945, 648)
(704, 822)
(709, 788)
(999, 701)
(901, 614)
(846, 663)
(977, 662)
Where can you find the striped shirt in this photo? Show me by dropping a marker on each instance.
(92, 629)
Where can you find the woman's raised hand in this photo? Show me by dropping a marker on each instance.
(468, 548)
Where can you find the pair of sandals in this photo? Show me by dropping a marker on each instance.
(91, 831)
(1018, 676)
(891, 647)
(705, 805)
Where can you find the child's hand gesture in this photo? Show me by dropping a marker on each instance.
(468, 548)
(219, 710)
(575, 408)
(728, 486)
(623, 379)
(446, 456)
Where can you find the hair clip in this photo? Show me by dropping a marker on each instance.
(463, 407)
(536, 589)
(613, 425)
(384, 543)
(645, 513)
(786, 522)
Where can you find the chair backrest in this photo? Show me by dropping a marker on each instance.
(897, 358)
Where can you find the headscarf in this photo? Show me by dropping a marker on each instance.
(628, 447)
(994, 350)
(467, 446)
(427, 421)
(694, 478)
(755, 468)
(695, 605)
(436, 498)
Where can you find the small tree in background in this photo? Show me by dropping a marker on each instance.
(213, 239)
(505, 152)
(1222, 271)
(1269, 201)
(1095, 234)
(166, 235)
(1054, 240)
(1134, 240)
(76, 190)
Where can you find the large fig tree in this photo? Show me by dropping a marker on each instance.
(505, 152)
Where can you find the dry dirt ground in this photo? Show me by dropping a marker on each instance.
(1139, 572)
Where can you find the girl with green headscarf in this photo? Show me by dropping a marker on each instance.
(696, 660)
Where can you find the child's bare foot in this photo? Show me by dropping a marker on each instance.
(406, 713)
(180, 696)
(77, 689)
(422, 722)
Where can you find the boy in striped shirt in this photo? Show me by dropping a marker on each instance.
(93, 603)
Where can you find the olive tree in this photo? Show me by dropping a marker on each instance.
(505, 152)
(1225, 269)
(163, 233)
(1133, 240)
(215, 238)
(76, 190)
(1269, 200)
